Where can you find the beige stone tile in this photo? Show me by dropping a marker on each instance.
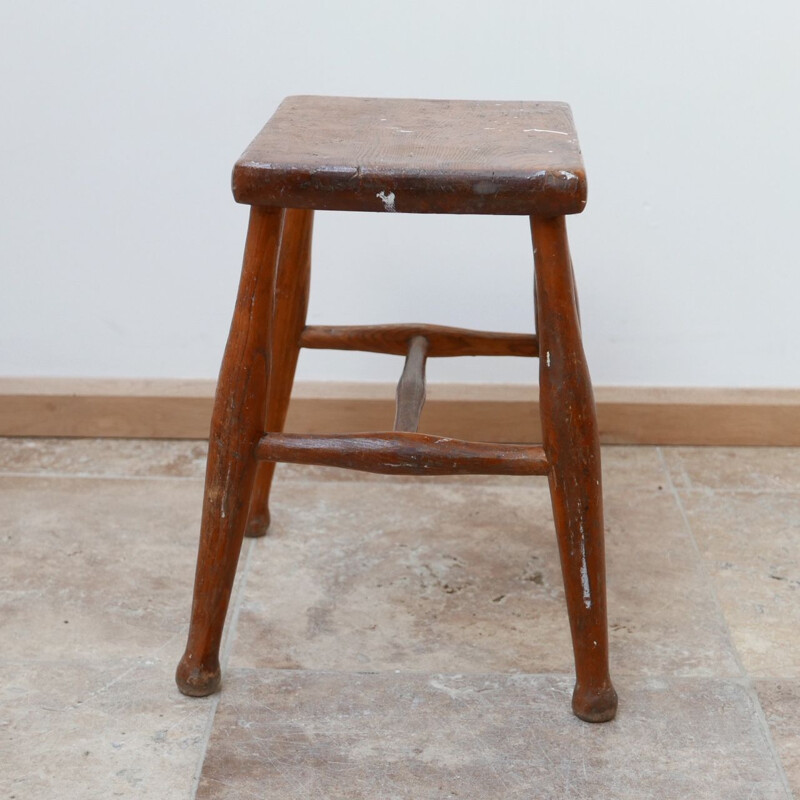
(780, 700)
(633, 468)
(287, 734)
(93, 730)
(366, 576)
(104, 457)
(95, 568)
(663, 616)
(750, 542)
(735, 468)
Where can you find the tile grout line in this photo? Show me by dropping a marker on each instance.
(701, 561)
(759, 715)
(567, 674)
(743, 681)
(212, 712)
(109, 476)
(233, 622)
(455, 481)
(393, 480)
(711, 490)
(227, 646)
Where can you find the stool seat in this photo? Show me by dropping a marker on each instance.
(420, 156)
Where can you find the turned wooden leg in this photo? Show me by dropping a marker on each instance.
(236, 426)
(288, 321)
(572, 447)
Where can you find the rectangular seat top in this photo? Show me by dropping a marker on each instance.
(418, 156)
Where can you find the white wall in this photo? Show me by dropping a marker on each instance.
(120, 244)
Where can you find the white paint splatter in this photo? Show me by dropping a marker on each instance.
(547, 358)
(544, 130)
(388, 200)
(454, 692)
(587, 592)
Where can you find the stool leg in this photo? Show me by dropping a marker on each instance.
(236, 427)
(572, 447)
(288, 321)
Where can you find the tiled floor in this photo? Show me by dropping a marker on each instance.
(397, 638)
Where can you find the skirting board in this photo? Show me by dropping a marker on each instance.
(178, 409)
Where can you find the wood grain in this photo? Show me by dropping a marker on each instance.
(395, 453)
(572, 445)
(442, 340)
(411, 387)
(288, 319)
(237, 424)
(420, 156)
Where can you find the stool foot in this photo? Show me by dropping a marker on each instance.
(236, 427)
(288, 321)
(257, 524)
(594, 704)
(197, 680)
(572, 446)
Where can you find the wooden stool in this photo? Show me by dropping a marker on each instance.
(404, 156)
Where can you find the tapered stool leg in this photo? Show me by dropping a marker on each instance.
(288, 321)
(572, 447)
(236, 426)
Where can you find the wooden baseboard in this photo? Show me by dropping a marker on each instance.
(176, 409)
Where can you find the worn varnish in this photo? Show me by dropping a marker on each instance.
(401, 453)
(442, 340)
(411, 387)
(572, 447)
(288, 318)
(422, 156)
(403, 156)
(236, 427)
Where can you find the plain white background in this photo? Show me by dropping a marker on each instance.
(120, 244)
